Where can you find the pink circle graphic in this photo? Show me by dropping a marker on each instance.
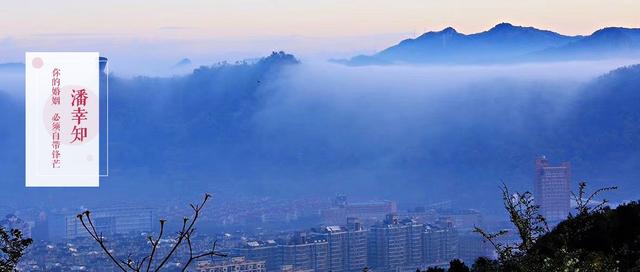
(37, 62)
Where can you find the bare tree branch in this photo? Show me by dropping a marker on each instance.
(192, 258)
(185, 234)
(154, 244)
(184, 231)
(94, 235)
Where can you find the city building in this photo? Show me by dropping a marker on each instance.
(347, 246)
(472, 245)
(267, 251)
(237, 264)
(440, 243)
(368, 212)
(423, 215)
(124, 220)
(463, 220)
(40, 230)
(301, 252)
(552, 189)
(306, 252)
(395, 244)
(57, 225)
(357, 251)
(330, 248)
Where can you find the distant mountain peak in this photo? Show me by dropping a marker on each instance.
(449, 30)
(183, 62)
(609, 31)
(503, 25)
(508, 27)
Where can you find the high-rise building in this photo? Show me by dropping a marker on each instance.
(395, 244)
(122, 220)
(413, 251)
(267, 251)
(472, 245)
(306, 252)
(57, 221)
(552, 189)
(302, 252)
(347, 247)
(338, 239)
(440, 243)
(40, 229)
(357, 248)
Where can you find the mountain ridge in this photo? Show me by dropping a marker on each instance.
(505, 43)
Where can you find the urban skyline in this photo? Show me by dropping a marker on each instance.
(348, 235)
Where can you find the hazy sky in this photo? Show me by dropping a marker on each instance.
(249, 18)
(237, 28)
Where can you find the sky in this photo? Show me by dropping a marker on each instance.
(236, 29)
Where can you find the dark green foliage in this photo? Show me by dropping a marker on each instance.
(484, 264)
(458, 266)
(454, 266)
(12, 248)
(582, 201)
(529, 224)
(601, 241)
(596, 239)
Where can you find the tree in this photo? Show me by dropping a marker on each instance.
(484, 264)
(458, 266)
(595, 239)
(606, 240)
(583, 204)
(12, 248)
(147, 262)
(435, 269)
(525, 215)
